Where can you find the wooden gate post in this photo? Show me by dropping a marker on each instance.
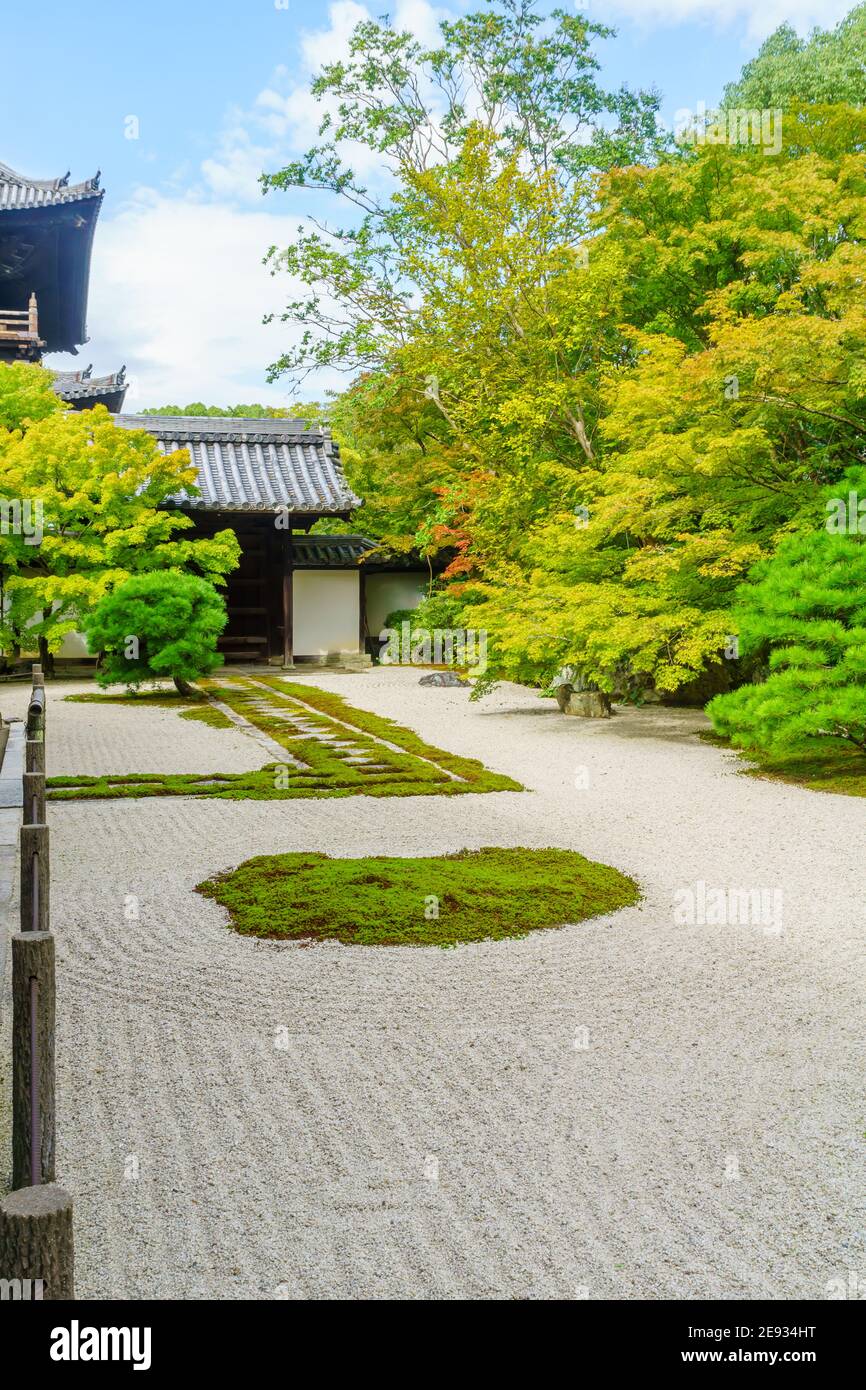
(36, 1240)
(33, 1025)
(35, 877)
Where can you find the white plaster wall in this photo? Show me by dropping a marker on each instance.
(74, 645)
(325, 612)
(387, 592)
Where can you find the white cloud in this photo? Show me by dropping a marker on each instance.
(761, 17)
(331, 45)
(233, 170)
(178, 291)
(284, 118)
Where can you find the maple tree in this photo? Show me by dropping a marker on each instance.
(609, 377)
(100, 503)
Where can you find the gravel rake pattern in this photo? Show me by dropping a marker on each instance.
(319, 754)
(299, 1172)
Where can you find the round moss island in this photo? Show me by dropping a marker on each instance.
(473, 895)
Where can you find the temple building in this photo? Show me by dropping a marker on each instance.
(83, 390)
(46, 239)
(295, 596)
(46, 236)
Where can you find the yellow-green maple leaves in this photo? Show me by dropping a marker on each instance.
(95, 495)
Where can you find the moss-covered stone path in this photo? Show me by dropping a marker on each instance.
(322, 747)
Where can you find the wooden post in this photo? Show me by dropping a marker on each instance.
(362, 609)
(39, 685)
(36, 1240)
(288, 600)
(34, 798)
(34, 896)
(33, 315)
(36, 711)
(33, 1101)
(34, 755)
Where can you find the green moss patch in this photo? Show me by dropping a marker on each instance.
(333, 750)
(206, 713)
(308, 701)
(165, 699)
(474, 895)
(832, 767)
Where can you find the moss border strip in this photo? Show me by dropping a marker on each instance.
(325, 702)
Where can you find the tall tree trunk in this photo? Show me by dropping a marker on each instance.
(46, 657)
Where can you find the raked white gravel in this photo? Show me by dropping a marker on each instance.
(626, 1108)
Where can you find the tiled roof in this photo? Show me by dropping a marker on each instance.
(329, 552)
(75, 386)
(17, 191)
(248, 464)
(347, 552)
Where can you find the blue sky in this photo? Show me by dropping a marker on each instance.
(218, 91)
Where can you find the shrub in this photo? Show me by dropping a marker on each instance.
(155, 626)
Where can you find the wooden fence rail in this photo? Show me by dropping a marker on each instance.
(34, 755)
(34, 798)
(36, 1218)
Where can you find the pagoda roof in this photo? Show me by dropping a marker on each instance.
(17, 191)
(254, 465)
(46, 238)
(83, 390)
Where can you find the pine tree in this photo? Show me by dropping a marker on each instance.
(807, 607)
(156, 627)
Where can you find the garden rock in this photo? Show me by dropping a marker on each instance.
(590, 704)
(442, 678)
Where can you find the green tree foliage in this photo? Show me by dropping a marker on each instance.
(608, 377)
(738, 394)
(311, 410)
(828, 66)
(450, 286)
(98, 499)
(26, 395)
(157, 626)
(807, 607)
(505, 91)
